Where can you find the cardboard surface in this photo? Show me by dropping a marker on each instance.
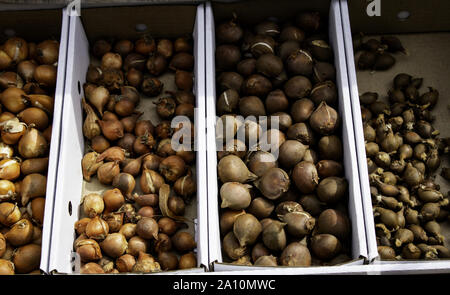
(254, 11)
(120, 22)
(71, 186)
(335, 33)
(33, 26)
(427, 58)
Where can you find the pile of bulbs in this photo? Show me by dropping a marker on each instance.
(27, 82)
(376, 54)
(403, 152)
(122, 230)
(290, 210)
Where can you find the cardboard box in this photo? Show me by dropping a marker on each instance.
(37, 26)
(120, 22)
(252, 12)
(427, 46)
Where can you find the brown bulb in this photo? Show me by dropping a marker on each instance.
(80, 225)
(172, 168)
(88, 249)
(101, 47)
(114, 221)
(27, 258)
(145, 45)
(114, 245)
(183, 241)
(125, 263)
(295, 254)
(134, 77)
(136, 245)
(167, 226)
(156, 64)
(165, 48)
(182, 44)
(21, 233)
(176, 205)
(123, 47)
(6, 267)
(97, 228)
(113, 200)
(152, 86)
(184, 80)
(163, 244)
(168, 260)
(146, 211)
(125, 182)
(147, 200)
(187, 261)
(147, 228)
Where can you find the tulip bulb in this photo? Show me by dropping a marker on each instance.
(32, 144)
(41, 101)
(125, 183)
(151, 181)
(97, 228)
(146, 264)
(90, 165)
(9, 213)
(33, 186)
(133, 167)
(88, 249)
(93, 205)
(113, 200)
(90, 126)
(21, 233)
(12, 99)
(112, 154)
(9, 169)
(112, 130)
(99, 97)
(114, 245)
(5, 151)
(107, 171)
(12, 130)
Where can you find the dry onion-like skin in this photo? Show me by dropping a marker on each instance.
(164, 193)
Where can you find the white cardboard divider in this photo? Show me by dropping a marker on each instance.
(359, 245)
(54, 144)
(403, 266)
(359, 136)
(70, 180)
(200, 133)
(215, 253)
